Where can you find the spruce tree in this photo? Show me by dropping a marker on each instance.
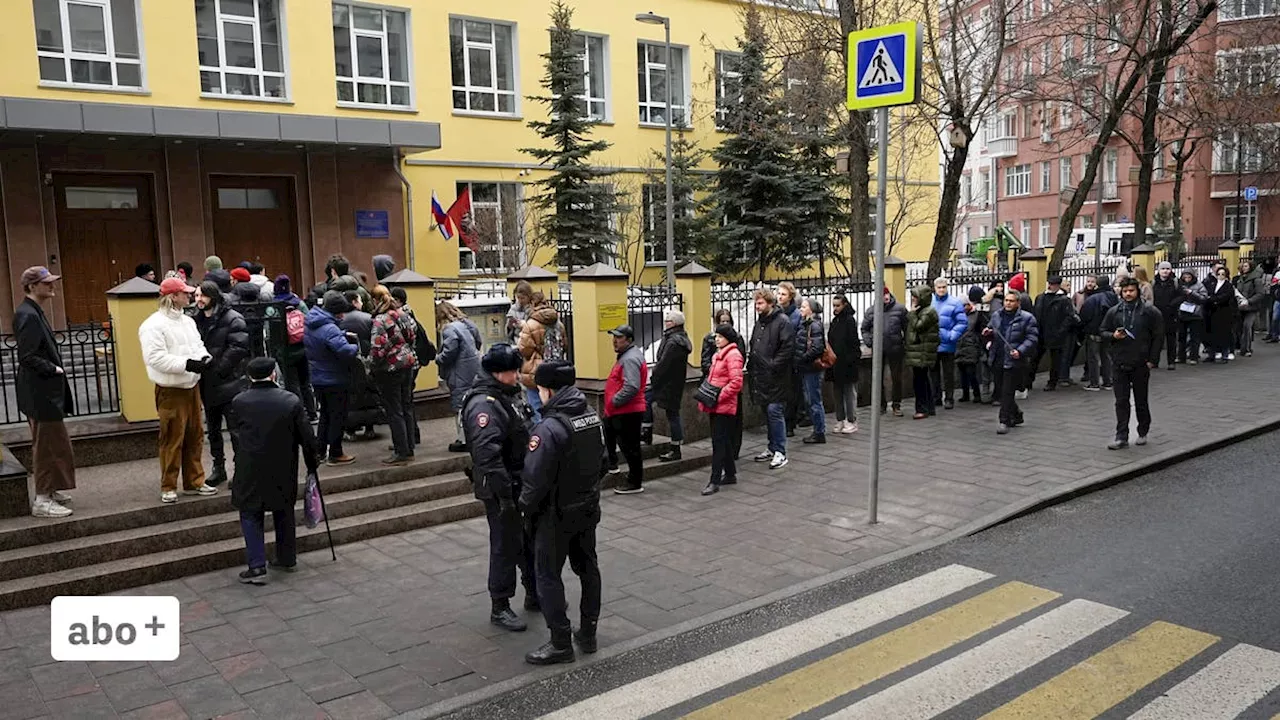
(811, 104)
(757, 189)
(690, 186)
(576, 204)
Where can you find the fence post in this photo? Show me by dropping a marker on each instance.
(1162, 255)
(542, 280)
(895, 278)
(129, 304)
(1035, 263)
(599, 305)
(991, 257)
(1229, 251)
(693, 282)
(1144, 255)
(421, 291)
(1246, 252)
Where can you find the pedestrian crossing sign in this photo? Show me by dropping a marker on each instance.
(884, 66)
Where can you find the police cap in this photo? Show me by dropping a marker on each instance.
(501, 358)
(555, 374)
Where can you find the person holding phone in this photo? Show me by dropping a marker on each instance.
(1014, 335)
(1136, 332)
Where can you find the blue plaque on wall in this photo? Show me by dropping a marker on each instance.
(373, 224)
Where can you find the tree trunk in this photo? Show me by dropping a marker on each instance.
(944, 234)
(859, 157)
(1179, 245)
(1150, 109)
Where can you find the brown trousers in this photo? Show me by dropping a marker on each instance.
(55, 465)
(181, 437)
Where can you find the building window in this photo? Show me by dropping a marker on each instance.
(984, 187)
(482, 55)
(1241, 9)
(1086, 221)
(238, 43)
(1064, 173)
(371, 55)
(1109, 219)
(1249, 71)
(1064, 115)
(495, 222)
(1158, 164)
(1238, 221)
(1025, 235)
(728, 84)
(652, 67)
(1179, 85)
(88, 42)
(1008, 124)
(101, 198)
(1017, 180)
(594, 91)
(1045, 226)
(966, 189)
(247, 199)
(1046, 175)
(653, 198)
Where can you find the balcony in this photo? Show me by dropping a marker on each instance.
(1077, 68)
(1110, 192)
(1002, 147)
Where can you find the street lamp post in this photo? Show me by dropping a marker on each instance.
(665, 22)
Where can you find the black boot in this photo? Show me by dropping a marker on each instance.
(531, 601)
(558, 650)
(671, 455)
(585, 636)
(218, 475)
(646, 435)
(504, 617)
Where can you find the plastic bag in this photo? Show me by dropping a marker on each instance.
(312, 506)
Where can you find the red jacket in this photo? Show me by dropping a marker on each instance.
(726, 374)
(630, 363)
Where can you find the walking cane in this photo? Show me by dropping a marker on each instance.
(325, 512)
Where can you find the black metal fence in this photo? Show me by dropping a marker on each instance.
(1199, 264)
(89, 360)
(645, 306)
(859, 291)
(453, 288)
(562, 301)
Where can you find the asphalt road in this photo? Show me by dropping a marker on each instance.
(1194, 546)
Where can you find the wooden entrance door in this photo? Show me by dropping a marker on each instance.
(253, 219)
(106, 228)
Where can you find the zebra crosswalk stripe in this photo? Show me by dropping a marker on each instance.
(689, 680)
(1223, 689)
(971, 673)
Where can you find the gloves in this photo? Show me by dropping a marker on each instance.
(197, 366)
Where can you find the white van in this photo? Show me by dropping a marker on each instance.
(1117, 239)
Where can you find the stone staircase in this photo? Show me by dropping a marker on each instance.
(96, 553)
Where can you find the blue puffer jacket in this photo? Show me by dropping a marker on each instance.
(1017, 331)
(459, 358)
(329, 354)
(952, 321)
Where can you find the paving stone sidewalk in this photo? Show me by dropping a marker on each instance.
(401, 622)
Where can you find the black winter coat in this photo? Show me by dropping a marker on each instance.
(770, 365)
(43, 393)
(1056, 315)
(842, 335)
(895, 328)
(811, 342)
(669, 371)
(1146, 326)
(270, 428)
(969, 349)
(1167, 296)
(226, 338)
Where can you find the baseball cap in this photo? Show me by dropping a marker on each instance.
(38, 274)
(623, 331)
(173, 286)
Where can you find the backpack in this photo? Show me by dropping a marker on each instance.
(553, 348)
(295, 323)
(422, 345)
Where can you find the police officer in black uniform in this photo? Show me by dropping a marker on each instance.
(495, 420)
(561, 501)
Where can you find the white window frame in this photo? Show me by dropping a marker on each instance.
(356, 79)
(722, 75)
(606, 101)
(1045, 227)
(966, 189)
(1250, 158)
(1046, 177)
(1025, 234)
(1017, 180)
(1231, 216)
(1064, 173)
(222, 69)
(1179, 94)
(1065, 115)
(679, 110)
(492, 46)
(984, 186)
(67, 54)
(517, 244)
(1236, 9)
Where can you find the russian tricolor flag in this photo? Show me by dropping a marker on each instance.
(443, 221)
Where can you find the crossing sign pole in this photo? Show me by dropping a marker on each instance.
(884, 71)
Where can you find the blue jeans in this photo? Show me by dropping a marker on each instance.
(535, 402)
(777, 424)
(251, 524)
(673, 417)
(1275, 320)
(813, 395)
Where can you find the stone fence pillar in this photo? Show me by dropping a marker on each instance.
(129, 304)
(599, 305)
(1035, 263)
(895, 278)
(1229, 251)
(693, 282)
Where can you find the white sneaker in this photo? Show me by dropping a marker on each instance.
(61, 498)
(1142, 440)
(49, 509)
(202, 490)
(1020, 394)
(1231, 356)
(850, 427)
(169, 497)
(779, 460)
(764, 456)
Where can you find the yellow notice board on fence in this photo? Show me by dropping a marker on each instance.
(611, 315)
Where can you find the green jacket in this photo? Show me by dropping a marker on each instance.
(922, 330)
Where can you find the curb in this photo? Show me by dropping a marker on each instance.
(1013, 511)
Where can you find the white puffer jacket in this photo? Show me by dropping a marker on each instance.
(169, 339)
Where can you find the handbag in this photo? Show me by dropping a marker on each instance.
(707, 394)
(826, 360)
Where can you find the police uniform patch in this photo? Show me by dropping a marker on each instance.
(534, 442)
(482, 419)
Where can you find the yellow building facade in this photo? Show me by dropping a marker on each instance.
(283, 131)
